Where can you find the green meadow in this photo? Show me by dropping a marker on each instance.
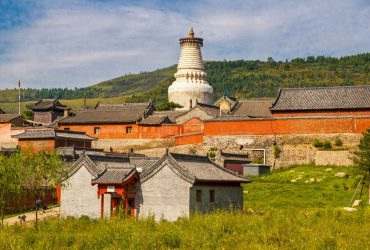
(299, 207)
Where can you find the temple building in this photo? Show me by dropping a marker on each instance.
(47, 111)
(170, 187)
(190, 85)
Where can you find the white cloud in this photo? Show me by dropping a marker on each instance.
(76, 45)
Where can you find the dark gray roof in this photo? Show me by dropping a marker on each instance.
(171, 114)
(258, 107)
(155, 120)
(210, 109)
(127, 113)
(98, 164)
(326, 98)
(235, 157)
(45, 104)
(103, 116)
(53, 134)
(123, 106)
(143, 162)
(7, 118)
(113, 176)
(194, 169)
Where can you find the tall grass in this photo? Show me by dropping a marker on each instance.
(275, 229)
(287, 215)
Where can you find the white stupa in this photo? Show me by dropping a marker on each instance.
(190, 85)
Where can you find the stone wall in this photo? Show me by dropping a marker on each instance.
(295, 149)
(340, 158)
(123, 145)
(79, 197)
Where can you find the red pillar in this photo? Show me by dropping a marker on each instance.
(102, 205)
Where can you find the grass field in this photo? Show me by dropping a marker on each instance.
(295, 208)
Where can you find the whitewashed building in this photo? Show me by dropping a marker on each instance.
(170, 187)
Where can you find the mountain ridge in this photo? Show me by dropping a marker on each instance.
(241, 78)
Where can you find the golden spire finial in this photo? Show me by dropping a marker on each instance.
(191, 32)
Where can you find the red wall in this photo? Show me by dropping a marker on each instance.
(193, 125)
(37, 145)
(189, 139)
(118, 131)
(287, 126)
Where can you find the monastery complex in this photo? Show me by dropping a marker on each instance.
(172, 163)
(292, 121)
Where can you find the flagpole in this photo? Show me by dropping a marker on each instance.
(19, 97)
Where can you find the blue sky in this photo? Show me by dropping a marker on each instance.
(74, 43)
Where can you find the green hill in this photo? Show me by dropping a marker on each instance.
(240, 78)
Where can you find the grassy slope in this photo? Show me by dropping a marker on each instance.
(295, 216)
(243, 79)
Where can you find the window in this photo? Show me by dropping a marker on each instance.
(198, 195)
(97, 130)
(212, 195)
(128, 130)
(67, 129)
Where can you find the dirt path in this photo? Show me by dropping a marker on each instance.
(30, 217)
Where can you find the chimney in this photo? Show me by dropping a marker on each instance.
(191, 103)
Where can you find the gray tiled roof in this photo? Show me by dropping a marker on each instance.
(6, 118)
(113, 176)
(51, 133)
(122, 106)
(103, 116)
(258, 107)
(99, 164)
(205, 170)
(155, 120)
(194, 169)
(210, 109)
(171, 114)
(144, 163)
(125, 113)
(47, 104)
(327, 98)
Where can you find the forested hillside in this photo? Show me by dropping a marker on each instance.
(241, 78)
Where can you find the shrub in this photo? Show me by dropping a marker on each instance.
(212, 153)
(326, 145)
(317, 143)
(277, 151)
(338, 142)
(192, 151)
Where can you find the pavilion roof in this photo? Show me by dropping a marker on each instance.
(47, 104)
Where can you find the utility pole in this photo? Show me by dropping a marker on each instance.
(19, 97)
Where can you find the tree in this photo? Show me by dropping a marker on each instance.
(43, 170)
(11, 177)
(34, 172)
(167, 106)
(362, 155)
